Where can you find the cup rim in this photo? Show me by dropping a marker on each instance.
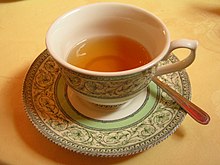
(99, 73)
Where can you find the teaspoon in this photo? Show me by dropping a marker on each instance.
(194, 111)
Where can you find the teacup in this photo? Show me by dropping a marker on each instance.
(114, 88)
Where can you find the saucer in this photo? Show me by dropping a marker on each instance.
(83, 127)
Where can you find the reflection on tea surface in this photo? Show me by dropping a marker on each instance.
(109, 54)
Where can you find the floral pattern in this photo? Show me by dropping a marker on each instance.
(43, 109)
(108, 87)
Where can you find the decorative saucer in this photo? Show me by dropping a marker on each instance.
(85, 128)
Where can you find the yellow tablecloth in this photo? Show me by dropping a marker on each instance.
(23, 26)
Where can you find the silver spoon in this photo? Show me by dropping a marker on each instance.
(194, 111)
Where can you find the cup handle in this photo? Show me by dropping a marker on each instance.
(182, 43)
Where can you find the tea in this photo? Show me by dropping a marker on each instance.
(109, 54)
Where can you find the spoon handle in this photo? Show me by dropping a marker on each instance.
(194, 111)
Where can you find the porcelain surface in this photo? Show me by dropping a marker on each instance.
(82, 127)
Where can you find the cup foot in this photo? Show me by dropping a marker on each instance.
(110, 107)
(106, 112)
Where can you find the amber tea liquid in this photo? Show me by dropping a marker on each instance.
(109, 54)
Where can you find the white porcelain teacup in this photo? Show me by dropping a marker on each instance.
(113, 88)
